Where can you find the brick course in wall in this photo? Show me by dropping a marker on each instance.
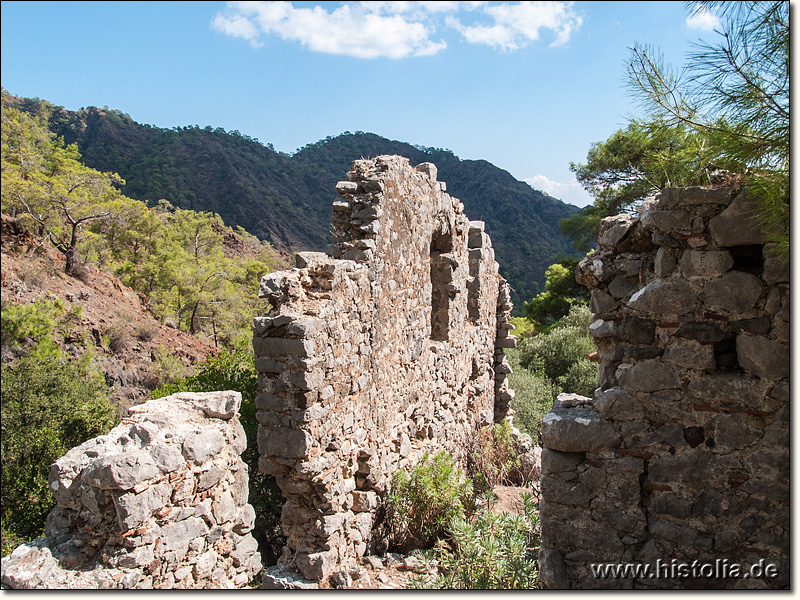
(384, 349)
(683, 453)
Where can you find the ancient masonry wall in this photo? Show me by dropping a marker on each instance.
(683, 453)
(387, 348)
(159, 502)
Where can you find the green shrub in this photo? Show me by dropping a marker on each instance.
(494, 461)
(422, 503)
(554, 352)
(581, 378)
(49, 405)
(497, 551)
(535, 395)
(235, 370)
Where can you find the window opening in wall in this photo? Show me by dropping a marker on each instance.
(725, 356)
(749, 259)
(441, 277)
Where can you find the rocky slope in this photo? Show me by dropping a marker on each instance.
(134, 350)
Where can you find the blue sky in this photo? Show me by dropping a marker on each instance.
(527, 86)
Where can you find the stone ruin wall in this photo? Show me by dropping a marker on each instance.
(158, 502)
(387, 348)
(683, 453)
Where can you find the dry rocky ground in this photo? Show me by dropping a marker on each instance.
(130, 344)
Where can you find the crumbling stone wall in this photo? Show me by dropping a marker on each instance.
(158, 502)
(683, 453)
(387, 348)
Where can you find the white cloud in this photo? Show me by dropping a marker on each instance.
(517, 25)
(571, 192)
(702, 19)
(348, 30)
(397, 29)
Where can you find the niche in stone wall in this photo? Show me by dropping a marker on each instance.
(442, 265)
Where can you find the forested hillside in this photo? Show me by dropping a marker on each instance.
(286, 199)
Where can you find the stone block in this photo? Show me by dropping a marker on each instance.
(693, 196)
(738, 224)
(697, 264)
(762, 357)
(316, 566)
(671, 298)
(577, 430)
(613, 229)
(667, 221)
(199, 446)
(647, 376)
(735, 292)
(690, 354)
(602, 303)
(272, 347)
(284, 442)
(664, 263)
(120, 471)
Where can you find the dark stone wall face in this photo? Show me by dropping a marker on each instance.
(683, 453)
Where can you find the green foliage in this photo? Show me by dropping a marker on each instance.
(581, 378)
(497, 551)
(44, 183)
(534, 398)
(49, 405)
(422, 503)
(561, 292)
(523, 327)
(494, 460)
(634, 163)
(32, 329)
(553, 353)
(192, 270)
(235, 370)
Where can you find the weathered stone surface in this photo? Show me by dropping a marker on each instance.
(283, 441)
(694, 378)
(690, 354)
(689, 196)
(613, 229)
(737, 225)
(601, 303)
(648, 376)
(622, 287)
(670, 221)
(577, 430)
(120, 471)
(635, 330)
(664, 264)
(762, 357)
(735, 292)
(668, 298)
(144, 507)
(776, 266)
(697, 264)
(199, 446)
(134, 510)
(217, 405)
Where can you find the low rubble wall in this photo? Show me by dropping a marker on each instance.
(158, 502)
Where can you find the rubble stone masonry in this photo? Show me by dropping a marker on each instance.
(387, 348)
(158, 502)
(683, 453)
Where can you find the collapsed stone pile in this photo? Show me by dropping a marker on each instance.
(388, 348)
(158, 502)
(683, 453)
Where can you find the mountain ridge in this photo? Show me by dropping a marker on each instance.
(286, 199)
